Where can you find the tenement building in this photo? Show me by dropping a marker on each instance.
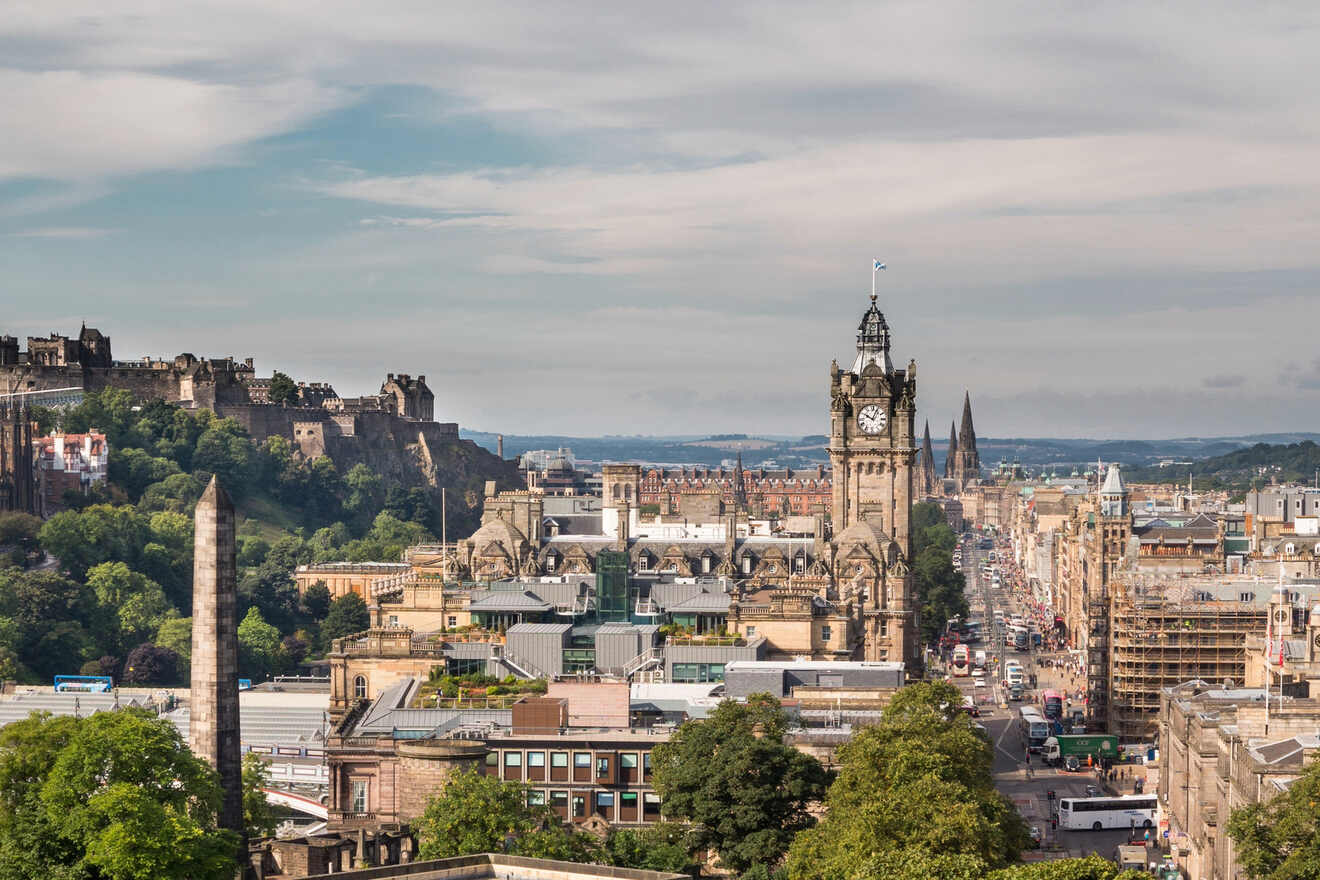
(1222, 749)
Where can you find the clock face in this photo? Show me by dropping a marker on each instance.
(872, 419)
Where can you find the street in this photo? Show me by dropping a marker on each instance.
(1022, 778)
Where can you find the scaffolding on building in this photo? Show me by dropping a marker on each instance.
(1163, 634)
(1097, 662)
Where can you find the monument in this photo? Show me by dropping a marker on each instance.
(213, 726)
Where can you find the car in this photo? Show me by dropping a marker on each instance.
(1035, 837)
(1072, 764)
(978, 682)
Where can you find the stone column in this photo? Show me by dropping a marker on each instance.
(213, 726)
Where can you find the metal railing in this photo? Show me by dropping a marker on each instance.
(522, 667)
(649, 657)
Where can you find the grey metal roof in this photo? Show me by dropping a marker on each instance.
(556, 628)
(711, 602)
(506, 600)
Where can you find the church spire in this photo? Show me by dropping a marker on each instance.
(952, 452)
(739, 484)
(968, 432)
(927, 462)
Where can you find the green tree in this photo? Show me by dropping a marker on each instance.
(19, 530)
(347, 615)
(316, 600)
(175, 633)
(919, 781)
(283, 390)
(259, 650)
(475, 813)
(745, 791)
(116, 795)
(661, 847)
(54, 624)
(101, 533)
(137, 603)
(1280, 839)
(259, 815)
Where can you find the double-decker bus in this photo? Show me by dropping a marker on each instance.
(1096, 813)
(962, 664)
(1035, 729)
(1051, 704)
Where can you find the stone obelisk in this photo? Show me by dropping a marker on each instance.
(213, 723)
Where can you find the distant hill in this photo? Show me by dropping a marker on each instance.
(805, 452)
(1242, 468)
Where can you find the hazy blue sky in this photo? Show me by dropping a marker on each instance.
(1102, 218)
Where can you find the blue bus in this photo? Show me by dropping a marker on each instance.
(86, 684)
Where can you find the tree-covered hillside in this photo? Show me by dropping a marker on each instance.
(1241, 469)
(105, 587)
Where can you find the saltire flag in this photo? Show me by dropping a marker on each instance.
(878, 266)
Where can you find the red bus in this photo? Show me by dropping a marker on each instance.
(1051, 704)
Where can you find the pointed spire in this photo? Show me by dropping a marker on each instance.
(927, 462)
(968, 432)
(953, 450)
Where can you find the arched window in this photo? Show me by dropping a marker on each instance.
(618, 492)
(1289, 549)
(360, 687)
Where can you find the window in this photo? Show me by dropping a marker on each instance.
(705, 565)
(825, 633)
(582, 759)
(604, 801)
(513, 759)
(536, 759)
(646, 762)
(394, 620)
(579, 806)
(559, 800)
(751, 632)
(747, 565)
(535, 798)
(628, 800)
(453, 621)
(602, 766)
(1246, 597)
(559, 759)
(359, 796)
(492, 759)
(628, 761)
(360, 687)
(550, 562)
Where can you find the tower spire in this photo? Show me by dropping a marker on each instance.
(927, 462)
(952, 452)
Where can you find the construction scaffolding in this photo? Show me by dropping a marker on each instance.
(1163, 634)
(1097, 663)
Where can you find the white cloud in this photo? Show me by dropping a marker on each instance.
(69, 124)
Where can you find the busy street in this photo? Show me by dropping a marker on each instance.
(1010, 665)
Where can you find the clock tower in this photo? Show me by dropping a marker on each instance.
(872, 454)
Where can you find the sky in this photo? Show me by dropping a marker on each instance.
(1101, 219)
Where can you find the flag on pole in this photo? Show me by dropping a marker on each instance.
(878, 266)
